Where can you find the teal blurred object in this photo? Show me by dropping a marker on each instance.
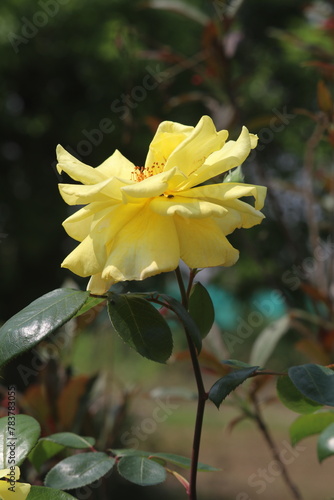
(227, 307)
(270, 303)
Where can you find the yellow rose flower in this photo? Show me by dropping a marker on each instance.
(140, 221)
(10, 489)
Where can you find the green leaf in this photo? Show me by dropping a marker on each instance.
(141, 470)
(236, 363)
(308, 425)
(130, 452)
(141, 326)
(79, 470)
(235, 175)
(42, 317)
(49, 446)
(72, 440)
(314, 382)
(201, 308)
(189, 324)
(228, 383)
(292, 398)
(89, 304)
(183, 462)
(18, 435)
(43, 493)
(168, 457)
(43, 451)
(326, 443)
(267, 340)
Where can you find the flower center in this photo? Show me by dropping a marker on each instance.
(141, 173)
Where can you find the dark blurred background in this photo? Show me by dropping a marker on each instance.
(96, 76)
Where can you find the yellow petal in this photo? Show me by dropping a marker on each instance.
(167, 137)
(6, 472)
(186, 207)
(78, 225)
(87, 258)
(98, 286)
(223, 192)
(9, 473)
(203, 243)
(20, 491)
(236, 190)
(90, 256)
(117, 166)
(191, 153)
(238, 216)
(76, 169)
(147, 246)
(231, 155)
(74, 194)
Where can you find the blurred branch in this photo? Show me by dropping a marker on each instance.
(319, 130)
(273, 448)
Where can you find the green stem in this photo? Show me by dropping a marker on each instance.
(192, 275)
(202, 395)
(182, 288)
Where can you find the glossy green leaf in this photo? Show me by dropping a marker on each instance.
(49, 446)
(189, 324)
(325, 446)
(38, 320)
(18, 435)
(314, 382)
(267, 340)
(141, 470)
(79, 470)
(308, 425)
(43, 493)
(183, 462)
(294, 399)
(141, 326)
(89, 304)
(225, 385)
(201, 308)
